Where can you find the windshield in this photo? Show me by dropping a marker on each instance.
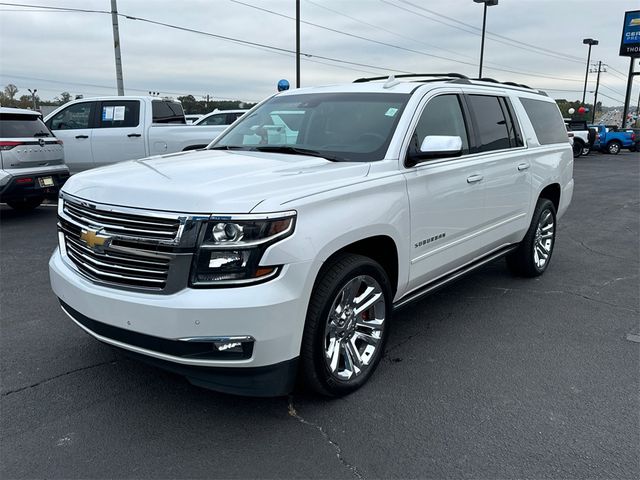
(349, 127)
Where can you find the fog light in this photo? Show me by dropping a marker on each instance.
(227, 346)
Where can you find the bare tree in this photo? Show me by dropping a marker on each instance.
(10, 91)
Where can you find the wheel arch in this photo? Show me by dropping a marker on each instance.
(380, 248)
(552, 192)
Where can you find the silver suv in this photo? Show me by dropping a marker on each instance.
(31, 159)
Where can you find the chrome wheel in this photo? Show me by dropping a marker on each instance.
(543, 242)
(354, 327)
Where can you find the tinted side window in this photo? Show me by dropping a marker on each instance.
(232, 117)
(16, 126)
(73, 117)
(491, 123)
(546, 120)
(118, 114)
(515, 135)
(218, 119)
(167, 112)
(442, 116)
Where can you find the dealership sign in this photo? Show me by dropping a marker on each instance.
(630, 44)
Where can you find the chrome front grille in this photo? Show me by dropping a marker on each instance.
(118, 223)
(137, 251)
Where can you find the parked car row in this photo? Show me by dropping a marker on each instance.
(36, 156)
(602, 138)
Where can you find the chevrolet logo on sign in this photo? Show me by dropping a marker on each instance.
(94, 240)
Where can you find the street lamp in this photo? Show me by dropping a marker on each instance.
(591, 42)
(487, 3)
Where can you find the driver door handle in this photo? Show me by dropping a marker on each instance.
(134, 135)
(474, 178)
(523, 166)
(82, 136)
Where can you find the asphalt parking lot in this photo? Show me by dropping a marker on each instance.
(493, 377)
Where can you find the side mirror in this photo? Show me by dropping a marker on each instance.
(436, 146)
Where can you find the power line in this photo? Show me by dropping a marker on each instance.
(610, 98)
(220, 37)
(508, 70)
(474, 32)
(378, 27)
(577, 59)
(427, 44)
(352, 35)
(609, 88)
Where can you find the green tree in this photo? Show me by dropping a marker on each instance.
(63, 98)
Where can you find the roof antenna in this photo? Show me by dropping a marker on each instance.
(391, 82)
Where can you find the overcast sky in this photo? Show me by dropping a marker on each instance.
(56, 51)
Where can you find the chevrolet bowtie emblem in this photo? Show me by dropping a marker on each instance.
(94, 239)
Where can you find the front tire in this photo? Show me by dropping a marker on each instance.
(347, 325)
(533, 255)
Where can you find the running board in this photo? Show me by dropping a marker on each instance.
(450, 277)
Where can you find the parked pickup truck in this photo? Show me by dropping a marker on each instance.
(583, 136)
(277, 250)
(105, 130)
(611, 140)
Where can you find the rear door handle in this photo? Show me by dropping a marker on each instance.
(82, 136)
(523, 166)
(474, 178)
(134, 135)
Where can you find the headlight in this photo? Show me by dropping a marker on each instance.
(230, 248)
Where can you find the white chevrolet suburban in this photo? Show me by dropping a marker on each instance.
(273, 253)
(104, 130)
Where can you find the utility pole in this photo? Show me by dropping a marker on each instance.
(595, 98)
(590, 42)
(33, 97)
(627, 96)
(297, 43)
(116, 47)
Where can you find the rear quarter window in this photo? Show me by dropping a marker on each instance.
(546, 120)
(167, 112)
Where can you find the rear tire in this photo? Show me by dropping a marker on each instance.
(578, 147)
(533, 255)
(614, 147)
(347, 325)
(26, 204)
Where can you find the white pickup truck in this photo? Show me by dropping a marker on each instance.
(105, 130)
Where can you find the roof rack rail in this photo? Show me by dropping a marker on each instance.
(493, 80)
(509, 84)
(411, 75)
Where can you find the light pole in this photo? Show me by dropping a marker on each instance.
(591, 42)
(33, 97)
(487, 3)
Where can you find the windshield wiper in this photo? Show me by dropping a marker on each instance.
(228, 147)
(41, 134)
(295, 151)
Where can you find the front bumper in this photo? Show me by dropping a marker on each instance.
(272, 314)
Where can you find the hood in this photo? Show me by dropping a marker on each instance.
(211, 181)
